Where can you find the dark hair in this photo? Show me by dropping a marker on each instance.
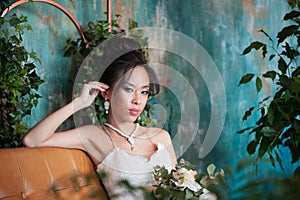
(122, 55)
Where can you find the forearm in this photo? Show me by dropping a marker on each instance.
(47, 127)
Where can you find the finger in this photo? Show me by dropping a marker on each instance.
(98, 85)
(95, 93)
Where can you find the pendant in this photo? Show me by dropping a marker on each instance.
(131, 140)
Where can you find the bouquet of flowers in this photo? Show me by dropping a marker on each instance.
(184, 182)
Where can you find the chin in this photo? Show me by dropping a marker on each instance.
(133, 119)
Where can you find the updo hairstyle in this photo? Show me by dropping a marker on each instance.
(122, 55)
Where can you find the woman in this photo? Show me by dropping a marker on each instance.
(120, 147)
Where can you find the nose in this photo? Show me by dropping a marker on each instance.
(136, 98)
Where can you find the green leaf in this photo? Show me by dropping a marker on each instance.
(282, 66)
(296, 72)
(291, 15)
(270, 74)
(265, 99)
(272, 160)
(279, 161)
(279, 93)
(263, 147)
(2, 21)
(163, 192)
(188, 194)
(247, 113)
(211, 169)
(132, 24)
(297, 125)
(254, 45)
(266, 34)
(296, 85)
(290, 52)
(271, 57)
(268, 131)
(283, 113)
(246, 78)
(14, 21)
(262, 111)
(258, 84)
(243, 130)
(270, 115)
(293, 3)
(252, 147)
(264, 51)
(287, 32)
(285, 82)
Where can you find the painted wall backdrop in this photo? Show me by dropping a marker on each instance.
(223, 27)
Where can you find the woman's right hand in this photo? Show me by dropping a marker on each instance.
(89, 92)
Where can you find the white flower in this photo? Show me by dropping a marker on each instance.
(186, 178)
(207, 195)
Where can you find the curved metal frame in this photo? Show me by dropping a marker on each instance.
(109, 13)
(53, 3)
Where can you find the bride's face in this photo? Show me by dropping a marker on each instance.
(130, 98)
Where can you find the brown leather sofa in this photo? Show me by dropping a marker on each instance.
(48, 173)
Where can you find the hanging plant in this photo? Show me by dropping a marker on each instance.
(4, 4)
(279, 122)
(18, 81)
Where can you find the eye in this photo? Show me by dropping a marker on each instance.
(145, 92)
(127, 89)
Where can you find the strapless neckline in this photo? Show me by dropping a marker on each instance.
(120, 160)
(159, 147)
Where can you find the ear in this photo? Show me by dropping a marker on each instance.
(105, 94)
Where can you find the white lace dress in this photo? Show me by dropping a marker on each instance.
(119, 165)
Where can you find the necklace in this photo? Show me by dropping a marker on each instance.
(129, 138)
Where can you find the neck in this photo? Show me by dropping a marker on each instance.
(125, 127)
(130, 138)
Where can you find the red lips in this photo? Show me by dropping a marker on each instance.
(134, 112)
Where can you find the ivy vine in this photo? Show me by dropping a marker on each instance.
(18, 81)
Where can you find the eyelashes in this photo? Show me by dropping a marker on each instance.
(127, 89)
(145, 92)
(130, 90)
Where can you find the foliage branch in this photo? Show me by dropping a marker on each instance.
(279, 122)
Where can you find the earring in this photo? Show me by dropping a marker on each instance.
(139, 119)
(106, 106)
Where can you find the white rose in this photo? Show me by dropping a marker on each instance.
(186, 178)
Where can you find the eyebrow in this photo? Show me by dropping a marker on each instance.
(132, 85)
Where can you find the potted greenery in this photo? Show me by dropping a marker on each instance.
(18, 81)
(278, 124)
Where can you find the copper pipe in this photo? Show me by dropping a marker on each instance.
(53, 3)
(109, 14)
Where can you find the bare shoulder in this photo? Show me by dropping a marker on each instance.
(93, 133)
(157, 134)
(90, 130)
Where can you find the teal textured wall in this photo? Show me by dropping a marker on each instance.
(224, 28)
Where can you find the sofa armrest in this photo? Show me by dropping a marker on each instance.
(48, 173)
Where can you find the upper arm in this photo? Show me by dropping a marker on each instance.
(66, 139)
